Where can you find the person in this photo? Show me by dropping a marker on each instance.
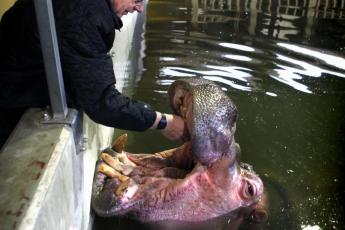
(85, 32)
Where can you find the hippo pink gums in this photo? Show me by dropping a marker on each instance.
(198, 181)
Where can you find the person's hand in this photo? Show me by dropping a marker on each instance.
(176, 129)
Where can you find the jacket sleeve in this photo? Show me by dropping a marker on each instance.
(89, 76)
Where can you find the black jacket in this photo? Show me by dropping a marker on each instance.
(86, 31)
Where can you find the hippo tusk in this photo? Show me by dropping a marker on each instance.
(113, 162)
(120, 162)
(125, 180)
(119, 143)
(111, 172)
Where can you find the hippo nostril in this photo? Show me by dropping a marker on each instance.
(180, 100)
(181, 109)
(247, 168)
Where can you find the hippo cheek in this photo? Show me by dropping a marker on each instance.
(104, 201)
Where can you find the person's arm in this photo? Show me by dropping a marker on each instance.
(90, 81)
(89, 75)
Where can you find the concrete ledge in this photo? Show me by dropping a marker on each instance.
(28, 165)
(46, 170)
(56, 203)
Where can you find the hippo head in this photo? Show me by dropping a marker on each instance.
(201, 180)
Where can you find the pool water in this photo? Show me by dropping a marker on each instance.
(283, 64)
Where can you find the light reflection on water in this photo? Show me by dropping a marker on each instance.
(332, 60)
(290, 70)
(282, 63)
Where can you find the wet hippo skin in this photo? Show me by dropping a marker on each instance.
(199, 181)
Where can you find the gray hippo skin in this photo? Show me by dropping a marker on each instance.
(201, 180)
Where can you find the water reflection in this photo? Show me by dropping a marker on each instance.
(333, 60)
(237, 46)
(279, 19)
(231, 221)
(290, 75)
(237, 57)
(289, 69)
(200, 43)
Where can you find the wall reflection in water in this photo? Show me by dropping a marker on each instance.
(272, 18)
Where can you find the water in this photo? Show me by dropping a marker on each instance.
(283, 64)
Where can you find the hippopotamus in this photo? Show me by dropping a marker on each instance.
(201, 180)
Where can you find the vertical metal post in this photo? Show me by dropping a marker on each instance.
(51, 57)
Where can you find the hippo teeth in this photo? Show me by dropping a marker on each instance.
(122, 188)
(119, 143)
(111, 172)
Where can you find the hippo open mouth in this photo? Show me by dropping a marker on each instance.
(200, 180)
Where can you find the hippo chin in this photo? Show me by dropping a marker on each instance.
(201, 180)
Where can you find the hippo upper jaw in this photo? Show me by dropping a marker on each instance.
(210, 114)
(209, 150)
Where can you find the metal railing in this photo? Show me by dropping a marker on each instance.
(51, 57)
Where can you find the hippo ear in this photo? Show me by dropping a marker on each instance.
(260, 212)
(259, 216)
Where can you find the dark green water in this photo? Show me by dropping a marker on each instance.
(283, 64)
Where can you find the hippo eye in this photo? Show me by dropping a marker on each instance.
(250, 189)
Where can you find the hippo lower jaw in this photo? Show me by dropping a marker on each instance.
(105, 200)
(106, 197)
(149, 197)
(103, 197)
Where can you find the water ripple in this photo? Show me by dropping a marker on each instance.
(246, 64)
(225, 44)
(332, 60)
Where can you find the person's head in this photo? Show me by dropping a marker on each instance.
(123, 7)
